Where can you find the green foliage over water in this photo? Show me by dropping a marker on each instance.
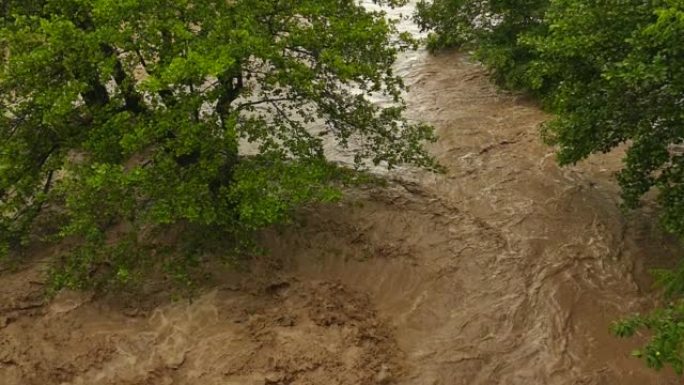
(149, 115)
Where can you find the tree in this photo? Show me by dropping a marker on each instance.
(150, 114)
(613, 74)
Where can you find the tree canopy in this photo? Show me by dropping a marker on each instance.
(613, 74)
(149, 114)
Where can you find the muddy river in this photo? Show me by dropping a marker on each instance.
(504, 270)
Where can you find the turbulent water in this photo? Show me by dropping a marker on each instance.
(505, 270)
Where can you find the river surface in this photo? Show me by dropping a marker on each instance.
(504, 270)
(518, 267)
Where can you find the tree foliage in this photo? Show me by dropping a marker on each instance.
(149, 114)
(612, 72)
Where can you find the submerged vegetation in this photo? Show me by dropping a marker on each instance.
(612, 72)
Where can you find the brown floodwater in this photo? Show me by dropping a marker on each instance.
(506, 269)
